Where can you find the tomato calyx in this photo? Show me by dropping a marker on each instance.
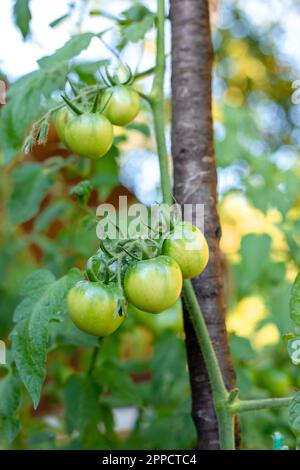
(72, 106)
(122, 76)
(109, 264)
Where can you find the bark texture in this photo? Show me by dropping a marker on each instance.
(195, 182)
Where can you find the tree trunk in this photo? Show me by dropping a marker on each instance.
(195, 183)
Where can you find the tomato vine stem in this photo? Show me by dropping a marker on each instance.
(225, 408)
(94, 357)
(241, 406)
(156, 100)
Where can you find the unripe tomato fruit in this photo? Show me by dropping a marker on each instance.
(188, 246)
(89, 135)
(92, 307)
(61, 118)
(153, 285)
(122, 105)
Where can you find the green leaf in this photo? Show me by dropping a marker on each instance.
(30, 185)
(82, 191)
(87, 71)
(168, 368)
(106, 173)
(295, 301)
(66, 333)
(114, 377)
(82, 402)
(22, 16)
(59, 20)
(9, 394)
(140, 127)
(25, 105)
(136, 12)
(277, 303)
(255, 252)
(11, 426)
(71, 49)
(137, 31)
(52, 212)
(26, 97)
(44, 300)
(294, 415)
(241, 348)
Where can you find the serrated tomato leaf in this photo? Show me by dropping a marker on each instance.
(26, 96)
(22, 16)
(44, 300)
(30, 185)
(82, 402)
(10, 394)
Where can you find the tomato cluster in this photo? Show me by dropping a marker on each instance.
(143, 276)
(89, 133)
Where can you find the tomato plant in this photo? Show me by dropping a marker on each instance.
(187, 245)
(94, 308)
(62, 117)
(135, 291)
(153, 285)
(121, 105)
(89, 135)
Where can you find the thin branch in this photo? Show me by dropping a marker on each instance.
(241, 406)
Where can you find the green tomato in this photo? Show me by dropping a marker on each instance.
(188, 246)
(154, 284)
(61, 119)
(121, 105)
(169, 320)
(89, 135)
(93, 306)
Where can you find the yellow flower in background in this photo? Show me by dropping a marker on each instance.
(234, 96)
(217, 111)
(253, 68)
(291, 271)
(244, 317)
(238, 218)
(245, 64)
(237, 48)
(267, 335)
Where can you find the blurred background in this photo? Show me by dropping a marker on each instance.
(144, 380)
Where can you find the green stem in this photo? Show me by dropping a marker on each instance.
(72, 105)
(156, 100)
(241, 406)
(159, 126)
(157, 104)
(219, 392)
(144, 73)
(94, 357)
(90, 269)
